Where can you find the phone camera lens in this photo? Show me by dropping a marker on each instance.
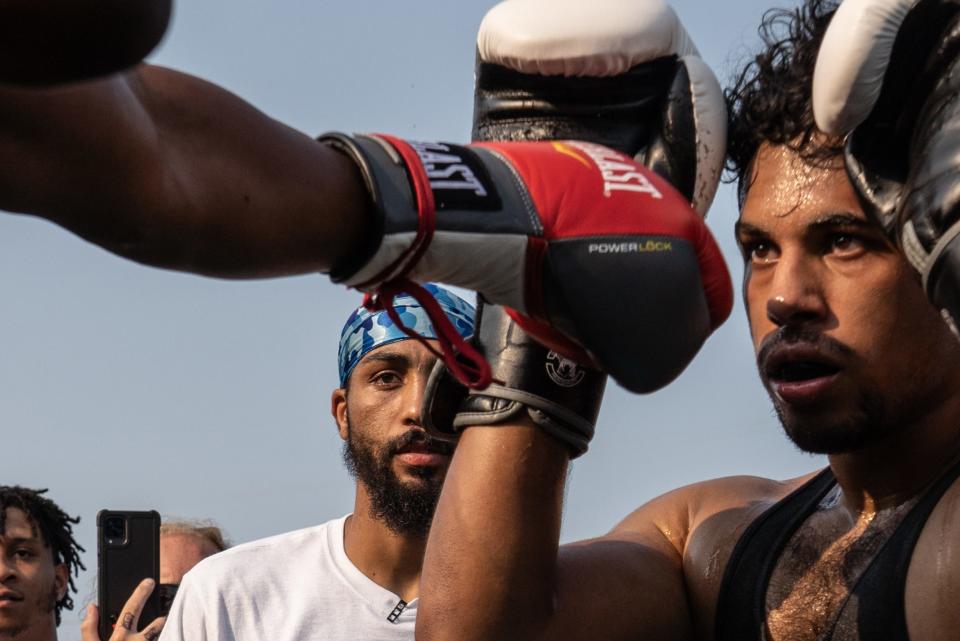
(116, 530)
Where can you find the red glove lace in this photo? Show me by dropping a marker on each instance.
(462, 359)
(465, 363)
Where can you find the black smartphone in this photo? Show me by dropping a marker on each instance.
(128, 551)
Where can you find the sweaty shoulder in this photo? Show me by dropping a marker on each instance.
(703, 522)
(684, 514)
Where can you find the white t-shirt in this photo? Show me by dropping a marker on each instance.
(297, 586)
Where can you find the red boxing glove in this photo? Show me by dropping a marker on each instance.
(594, 255)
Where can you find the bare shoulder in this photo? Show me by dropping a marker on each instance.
(702, 523)
(717, 503)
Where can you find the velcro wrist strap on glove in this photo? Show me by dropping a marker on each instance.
(560, 396)
(409, 183)
(497, 404)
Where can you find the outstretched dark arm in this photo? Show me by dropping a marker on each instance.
(169, 170)
(47, 42)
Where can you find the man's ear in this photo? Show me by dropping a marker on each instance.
(338, 407)
(61, 580)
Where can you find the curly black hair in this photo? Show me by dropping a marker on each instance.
(770, 100)
(55, 528)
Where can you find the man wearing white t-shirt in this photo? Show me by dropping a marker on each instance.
(356, 577)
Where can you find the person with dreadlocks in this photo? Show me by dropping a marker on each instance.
(39, 559)
(857, 362)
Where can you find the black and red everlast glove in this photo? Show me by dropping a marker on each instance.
(594, 255)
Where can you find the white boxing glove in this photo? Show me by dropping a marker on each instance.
(620, 73)
(853, 60)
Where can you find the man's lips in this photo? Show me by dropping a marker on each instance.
(424, 459)
(800, 373)
(9, 596)
(422, 453)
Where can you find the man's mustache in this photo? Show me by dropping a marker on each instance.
(799, 336)
(432, 445)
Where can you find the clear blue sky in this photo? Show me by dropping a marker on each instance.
(128, 387)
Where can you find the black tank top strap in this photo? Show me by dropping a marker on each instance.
(741, 610)
(881, 589)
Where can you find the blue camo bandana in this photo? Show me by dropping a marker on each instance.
(365, 330)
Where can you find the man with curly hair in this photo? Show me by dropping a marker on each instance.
(859, 366)
(39, 559)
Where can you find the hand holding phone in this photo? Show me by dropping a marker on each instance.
(128, 552)
(126, 629)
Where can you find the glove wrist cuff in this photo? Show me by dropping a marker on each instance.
(496, 405)
(568, 418)
(560, 397)
(575, 442)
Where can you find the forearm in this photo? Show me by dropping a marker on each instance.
(46, 42)
(301, 208)
(490, 565)
(172, 171)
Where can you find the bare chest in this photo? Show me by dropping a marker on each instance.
(812, 594)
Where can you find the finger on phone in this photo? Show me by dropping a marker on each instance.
(88, 628)
(134, 605)
(152, 631)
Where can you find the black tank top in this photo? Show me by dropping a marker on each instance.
(741, 605)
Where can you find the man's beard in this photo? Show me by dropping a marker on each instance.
(45, 604)
(864, 426)
(864, 422)
(405, 509)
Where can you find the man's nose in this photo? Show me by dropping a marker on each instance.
(7, 568)
(413, 400)
(796, 296)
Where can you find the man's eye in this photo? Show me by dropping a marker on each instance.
(846, 244)
(760, 253)
(23, 554)
(387, 378)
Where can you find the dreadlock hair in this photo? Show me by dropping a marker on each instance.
(55, 529)
(771, 98)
